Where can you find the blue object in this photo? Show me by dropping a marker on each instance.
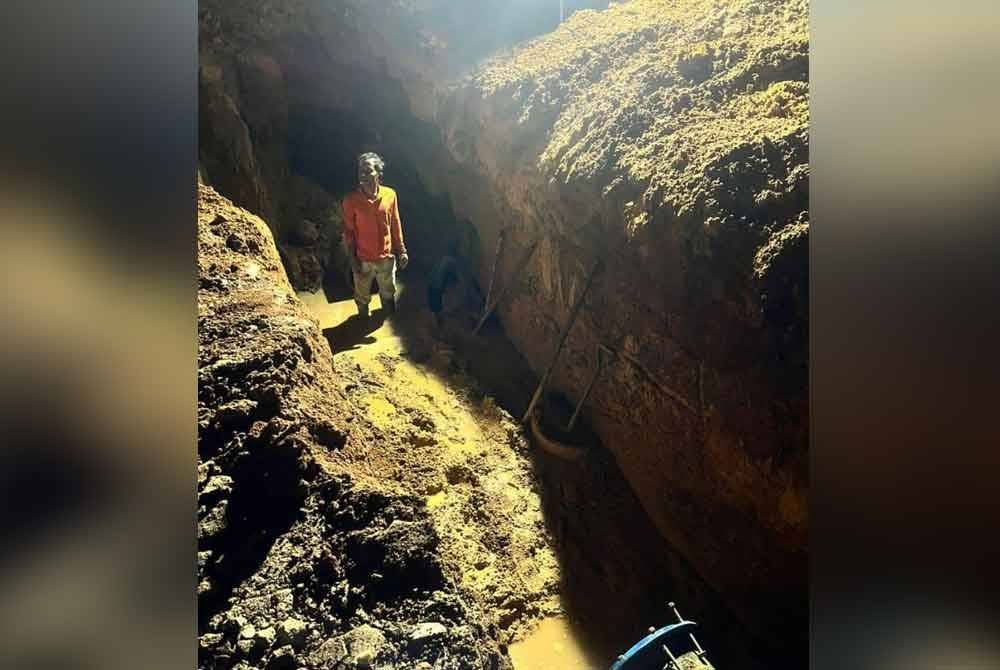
(648, 654)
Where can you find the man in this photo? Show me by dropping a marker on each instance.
(373, 235)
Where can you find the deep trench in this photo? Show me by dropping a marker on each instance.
(619, 573)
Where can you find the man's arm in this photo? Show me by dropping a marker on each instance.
(396, 229)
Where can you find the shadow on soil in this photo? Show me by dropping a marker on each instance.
(618, 572)
(353, 332)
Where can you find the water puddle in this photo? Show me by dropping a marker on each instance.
(553, 645)
(383, 339)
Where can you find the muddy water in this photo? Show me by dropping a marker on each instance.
(383, 340)
(554, 645)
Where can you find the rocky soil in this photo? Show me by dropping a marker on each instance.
(310, 555)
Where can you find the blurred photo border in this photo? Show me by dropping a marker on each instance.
(97, 195)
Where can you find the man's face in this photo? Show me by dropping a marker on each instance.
(368, 177)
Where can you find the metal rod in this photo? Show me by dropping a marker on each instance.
(493, 272)
(700, 653)
(586, 393)
(562, 339)
(503, 292)
(673, 659)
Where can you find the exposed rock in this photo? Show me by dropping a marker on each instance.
(209, 640)
(425, 635)
(363, 645)
(402, 552)
(233, 624)
(266, 637)
(330, 653)
(305, 269)
(294, 632)
(283, 658)
(215, 489)
(215, 522)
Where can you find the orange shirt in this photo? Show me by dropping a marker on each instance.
(372, 228)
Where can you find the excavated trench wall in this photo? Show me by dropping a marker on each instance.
(669, 141)
(674, 149)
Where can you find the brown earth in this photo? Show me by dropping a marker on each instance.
(667, 139)
(309, 556)
(360, 489)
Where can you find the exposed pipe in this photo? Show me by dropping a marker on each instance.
(564, 451)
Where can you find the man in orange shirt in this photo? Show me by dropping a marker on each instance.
(373, 235)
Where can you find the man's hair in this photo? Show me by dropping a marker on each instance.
(372, 156)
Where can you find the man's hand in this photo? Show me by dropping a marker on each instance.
(404, 260)
(355, 264)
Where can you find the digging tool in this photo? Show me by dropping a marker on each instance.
(503, 292)
(562, 339)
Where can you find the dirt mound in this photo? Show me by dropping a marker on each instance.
(298, 565)
(675, 112)
(355, 582)
(678, 110)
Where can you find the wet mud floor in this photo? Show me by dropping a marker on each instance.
(558, 555)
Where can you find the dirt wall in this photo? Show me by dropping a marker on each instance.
(670, 142)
